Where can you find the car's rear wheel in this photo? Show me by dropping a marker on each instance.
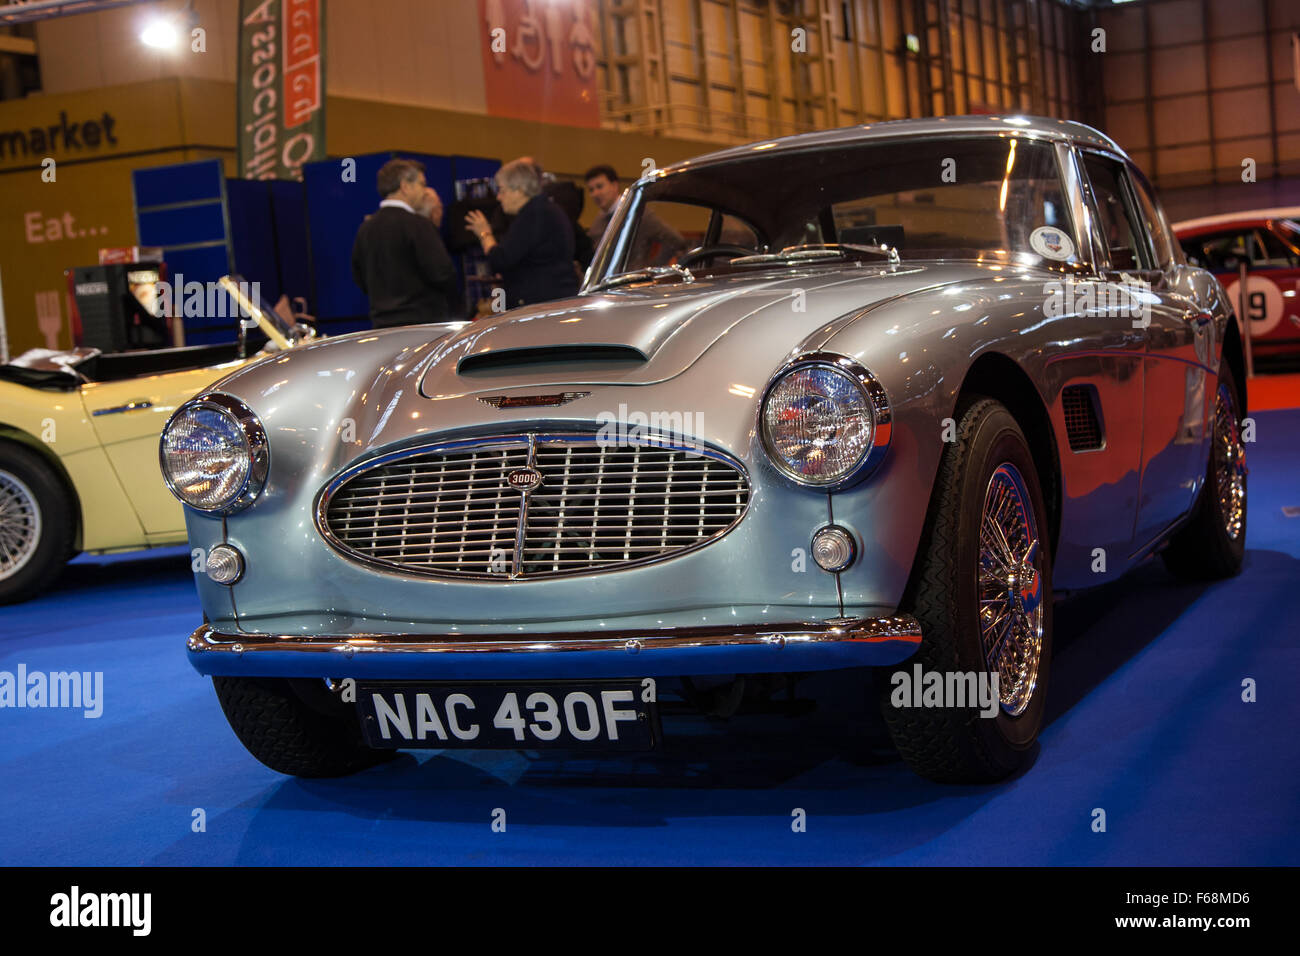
(295, 727)
(36, 524)
(1212, 544)
(982, 593)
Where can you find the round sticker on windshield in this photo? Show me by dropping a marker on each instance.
(1051, 243)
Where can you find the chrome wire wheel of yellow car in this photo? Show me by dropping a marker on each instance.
(1010, 589)
(20, 524)
(36, 523)
(1212, 542)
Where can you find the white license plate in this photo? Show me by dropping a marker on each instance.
(570, 715)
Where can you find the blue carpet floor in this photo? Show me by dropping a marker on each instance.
(1146, 722)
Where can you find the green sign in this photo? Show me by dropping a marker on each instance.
(281, 87)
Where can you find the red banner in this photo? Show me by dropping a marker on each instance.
(302, 86)
(539, 60)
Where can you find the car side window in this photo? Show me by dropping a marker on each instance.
(1120, 230)
(1192, 250)
(1272, 252)
(1223, 251)
(1218, 251)
(1288, 233)
(1157, 228)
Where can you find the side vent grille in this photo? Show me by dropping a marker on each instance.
(1082, 423)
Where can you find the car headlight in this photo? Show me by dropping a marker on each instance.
(214, 454)
(825, 421)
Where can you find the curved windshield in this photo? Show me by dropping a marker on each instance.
(973, 197)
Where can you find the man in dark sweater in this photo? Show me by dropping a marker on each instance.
(535, 257)
(398, 258)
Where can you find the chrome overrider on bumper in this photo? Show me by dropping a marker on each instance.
(652, 652)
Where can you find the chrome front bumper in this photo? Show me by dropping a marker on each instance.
(664, 652)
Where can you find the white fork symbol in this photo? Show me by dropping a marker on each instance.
(49, 317)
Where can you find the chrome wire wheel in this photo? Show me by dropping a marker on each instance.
(20, 525)
(1229, 464)
(1010, 588)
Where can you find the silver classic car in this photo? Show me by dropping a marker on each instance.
(911, 381)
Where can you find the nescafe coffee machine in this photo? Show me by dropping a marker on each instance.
(115, 307)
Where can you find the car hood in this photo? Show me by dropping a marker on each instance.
(655, 332)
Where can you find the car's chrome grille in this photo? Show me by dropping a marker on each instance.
(451, 510)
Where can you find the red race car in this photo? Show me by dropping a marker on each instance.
(1268, 240)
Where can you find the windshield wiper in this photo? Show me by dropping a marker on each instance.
(649, 272)
(822, 250)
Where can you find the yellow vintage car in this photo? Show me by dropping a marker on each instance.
(79, 447)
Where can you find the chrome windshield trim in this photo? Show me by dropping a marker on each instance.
(612, 252)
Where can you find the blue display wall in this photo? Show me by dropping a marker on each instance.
(294, 239)
(209, 226)
(335, 209)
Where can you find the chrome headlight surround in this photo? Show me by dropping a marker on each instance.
(255, 446)
(875, 400)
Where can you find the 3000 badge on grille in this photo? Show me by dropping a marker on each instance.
(607, 715)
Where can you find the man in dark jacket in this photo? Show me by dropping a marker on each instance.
(535, 258)
(568, 196)
(398, 258)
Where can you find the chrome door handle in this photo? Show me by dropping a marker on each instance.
(138, 405)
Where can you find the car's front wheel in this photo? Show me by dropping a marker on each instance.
(296, 727)
(982, 592)
(36, 524)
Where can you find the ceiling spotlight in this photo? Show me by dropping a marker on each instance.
(163, 31)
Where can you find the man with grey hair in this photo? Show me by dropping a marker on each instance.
(535, 257)
(398, 258)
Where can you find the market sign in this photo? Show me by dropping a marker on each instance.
(539, 60)
(281, 87)
(44, 140)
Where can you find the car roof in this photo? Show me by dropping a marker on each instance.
(937, 127)
(1255, 216)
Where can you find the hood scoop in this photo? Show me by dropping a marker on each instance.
(517, 359)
